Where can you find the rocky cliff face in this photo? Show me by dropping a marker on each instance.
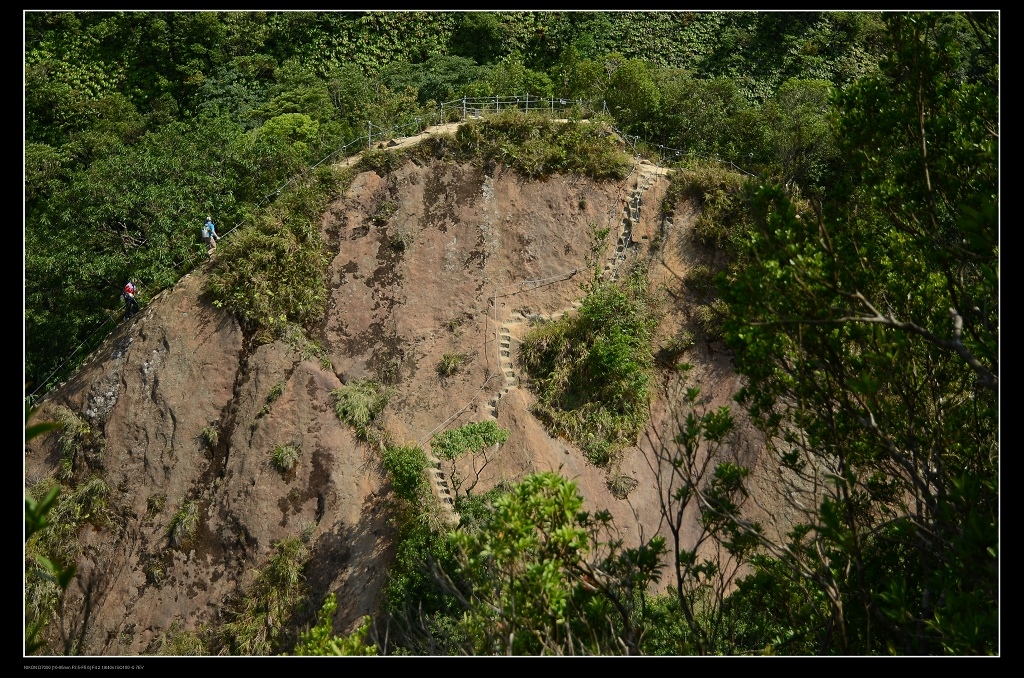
(434, 259)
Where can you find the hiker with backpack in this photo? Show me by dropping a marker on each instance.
(131, 306)
(210, 236)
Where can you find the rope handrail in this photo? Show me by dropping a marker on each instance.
(444, 423)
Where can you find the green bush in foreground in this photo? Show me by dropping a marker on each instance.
(318, 641)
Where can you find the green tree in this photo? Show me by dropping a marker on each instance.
(577, 77)
(440, 78)
(803, 138)
(542, 576)
(697, 484)
(475, 437)
(868, 330)
(472, 437)
(697, 114)
(633, 97)
(319, 641)
(405, 466)
(478, 36)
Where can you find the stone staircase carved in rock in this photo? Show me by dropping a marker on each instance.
(645, 178)
(439, 484)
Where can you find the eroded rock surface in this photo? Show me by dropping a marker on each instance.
(433, 259)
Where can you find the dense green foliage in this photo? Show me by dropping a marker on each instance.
(472, 437)
(591, 369)
(869, 332)
(543, 576)
(405, 466)
(274, 272)
(319, 641)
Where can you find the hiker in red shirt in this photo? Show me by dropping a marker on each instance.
(131, 307)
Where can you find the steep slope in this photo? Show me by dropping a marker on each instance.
(436, 258)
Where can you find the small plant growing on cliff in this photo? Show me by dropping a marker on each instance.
(700, 279)
(284, 457)
(211, 434)
(73, 431)
(450, 363)
(318, 641)
(454, 325)
(674, 347)
(177, 642)
(155, 504)
(620, 485)
(184, 523)
(259, 621)
(359, 403)
(154, 571)
(274, 394)
(711, 317)
(385, 210)
(401, 240)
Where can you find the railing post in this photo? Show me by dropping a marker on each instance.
(369, 134)
(463, 108)
(527, 103)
